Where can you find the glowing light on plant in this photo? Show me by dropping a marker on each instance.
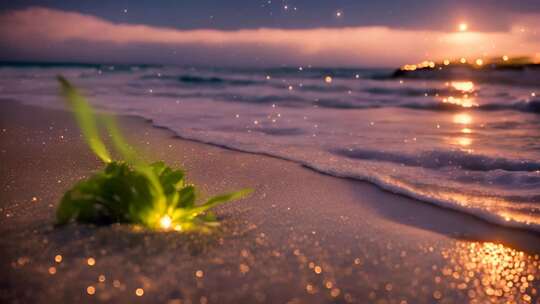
(131, 191)
(165, 222)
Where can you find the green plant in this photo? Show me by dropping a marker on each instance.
(131, 191)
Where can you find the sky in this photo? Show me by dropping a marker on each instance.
(267, 33)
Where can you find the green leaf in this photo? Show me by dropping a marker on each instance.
(118, 194)
(131, 157)
(132, 191)
(224, 198)
(214, 201)
(158, 167)
(119, 142)
(187, 197)
(84, 115)
(167, 176)
(81, 203)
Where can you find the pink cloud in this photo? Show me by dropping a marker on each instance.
(31, 29)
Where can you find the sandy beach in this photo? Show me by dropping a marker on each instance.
(302, 237)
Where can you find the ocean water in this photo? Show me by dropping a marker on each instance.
(471, 143)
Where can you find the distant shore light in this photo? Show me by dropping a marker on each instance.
(463, 27)
(463, 60)
(505, 58)
(479, 62)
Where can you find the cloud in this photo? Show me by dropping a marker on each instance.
(48, 34)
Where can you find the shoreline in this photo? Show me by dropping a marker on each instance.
(272, 246)
(476, 215)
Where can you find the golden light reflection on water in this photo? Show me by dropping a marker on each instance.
(463, 141)
(463, 96)
(462, 118)
(465, 101)
(491, 271)
(465, 120)
(463, 86)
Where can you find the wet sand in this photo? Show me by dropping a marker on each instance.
(302, 237)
